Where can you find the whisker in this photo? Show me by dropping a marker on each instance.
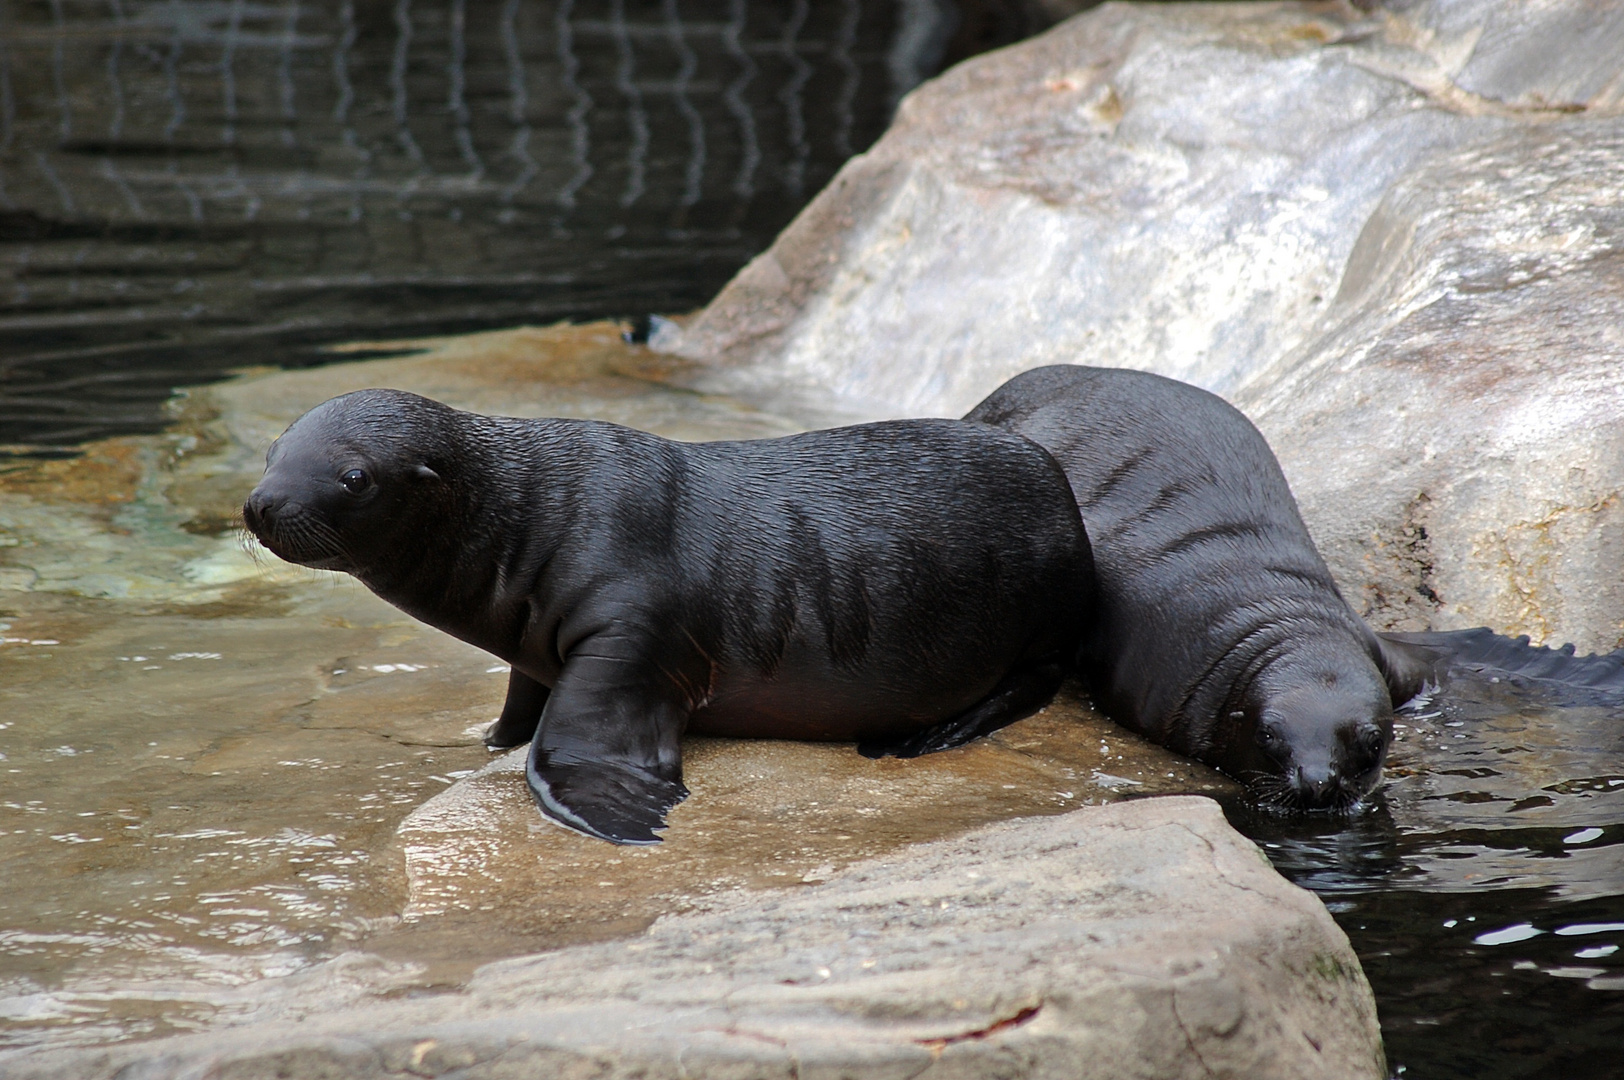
(250, 545)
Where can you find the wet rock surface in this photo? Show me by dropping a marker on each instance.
(1390, 236)
(1143, 938)
(762, 814)
(220, 770)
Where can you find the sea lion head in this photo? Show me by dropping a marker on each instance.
(1312, 730)
(346, 485)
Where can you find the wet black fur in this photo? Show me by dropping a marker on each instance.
(1217, 630)
(910, 584)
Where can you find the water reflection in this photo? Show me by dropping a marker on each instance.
(187, 187)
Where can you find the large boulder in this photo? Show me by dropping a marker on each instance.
(1455, 427)
(1266, 200)
(1143, 939)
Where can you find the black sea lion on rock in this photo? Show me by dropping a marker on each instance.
(1217, 629)
(911, 584)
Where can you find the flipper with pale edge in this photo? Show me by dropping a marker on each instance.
(1481, 649)
(605, 760)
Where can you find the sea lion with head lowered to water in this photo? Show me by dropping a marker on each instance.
(1216, 628)
(908, 585)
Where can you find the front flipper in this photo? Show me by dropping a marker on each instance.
(1020, 694)
(521, 712)
(606, 758)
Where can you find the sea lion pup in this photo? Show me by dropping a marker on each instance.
(909, 585)
(1216, 629)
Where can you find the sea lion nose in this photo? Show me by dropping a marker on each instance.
(259, 510)
(1315, 785)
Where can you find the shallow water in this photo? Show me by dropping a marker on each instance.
(177, 812)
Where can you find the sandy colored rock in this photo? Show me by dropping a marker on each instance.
(1140, 939)
(762, 814)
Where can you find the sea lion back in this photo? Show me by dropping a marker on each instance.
(1218, 629)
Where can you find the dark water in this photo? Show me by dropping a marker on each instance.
(1484, 890)
(190, 186)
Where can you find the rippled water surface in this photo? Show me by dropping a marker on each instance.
(189, 186)
(1484, 891)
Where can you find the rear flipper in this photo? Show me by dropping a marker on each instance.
(521, 712)
(1482, 650)
(1409, 667)
(1021, 693)
(606, 759)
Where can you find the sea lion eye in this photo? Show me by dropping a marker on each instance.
(355, 481)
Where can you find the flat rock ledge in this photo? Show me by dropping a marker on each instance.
(1138, 939)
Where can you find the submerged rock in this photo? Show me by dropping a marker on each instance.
(1144, 938)
(1390, 236)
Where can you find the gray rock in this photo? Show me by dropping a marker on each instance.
(1454, 427)
(1224, 194)
(1140, 939)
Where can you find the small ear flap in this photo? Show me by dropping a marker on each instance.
(425, 473)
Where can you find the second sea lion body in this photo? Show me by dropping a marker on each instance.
(1216, 629)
